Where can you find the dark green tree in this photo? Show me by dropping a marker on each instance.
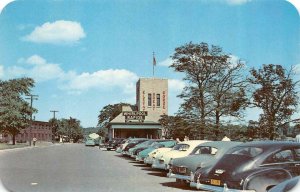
(276, 95)
(214, 87)
(108, 113)
(69, 128)
(55, 126)
(228, 92)
(174, 127)
(15, 112)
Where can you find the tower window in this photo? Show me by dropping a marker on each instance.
(158, 100)
(149, 99)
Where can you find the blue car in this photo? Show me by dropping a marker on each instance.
(143, 154)
(90, 142)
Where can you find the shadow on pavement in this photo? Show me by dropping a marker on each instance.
(178, 186)
(123, 157)
(140, 165)
(158, 174)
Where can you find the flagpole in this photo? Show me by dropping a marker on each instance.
(154, 63)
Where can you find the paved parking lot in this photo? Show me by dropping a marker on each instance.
(74, 167)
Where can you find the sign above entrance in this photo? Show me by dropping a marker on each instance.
(135, 115)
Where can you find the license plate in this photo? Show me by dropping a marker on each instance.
(215, 182)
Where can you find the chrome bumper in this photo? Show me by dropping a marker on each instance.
(157, 165)
(216, 188)
(177, 176)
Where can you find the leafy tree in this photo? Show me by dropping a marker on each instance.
(55, 126)
(234, 132)
(70, 128)
(108, 113)
(296, 130)
(275, 94)
(15, 112)
(165, 122)
(253, 129)
(228, 91)
(175, 127)
(214, 85)
(199, 66)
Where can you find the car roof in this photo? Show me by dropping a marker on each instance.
(192, 141)
(222, 144)
(270, 144)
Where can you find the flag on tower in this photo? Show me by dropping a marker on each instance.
(154, 60)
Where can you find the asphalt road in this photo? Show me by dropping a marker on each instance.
(74, 167)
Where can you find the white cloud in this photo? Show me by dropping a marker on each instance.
(14, 72)
(233, 60)
(237, 2)
(41, 70)
(297, 69)
(34, 67)
(34, 60)
(167, 62)
(58, 32)
(104, 79)
(176, 85)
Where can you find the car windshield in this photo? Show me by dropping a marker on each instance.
(246, 151)
(181, 147)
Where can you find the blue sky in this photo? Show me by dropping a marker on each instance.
(85, 54)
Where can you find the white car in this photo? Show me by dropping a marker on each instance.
(182, 149)
(127, 141)
(151, 156)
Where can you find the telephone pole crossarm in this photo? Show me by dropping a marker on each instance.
(54, 112)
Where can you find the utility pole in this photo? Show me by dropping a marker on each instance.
(31, 97)
(53, 134)
(53, 111)
(72, 122)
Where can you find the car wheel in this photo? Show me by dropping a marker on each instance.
(108, 149)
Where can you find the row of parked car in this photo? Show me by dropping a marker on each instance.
(219, 165)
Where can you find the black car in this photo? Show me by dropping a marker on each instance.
(290, 185)
(253, 166)
(113, 144)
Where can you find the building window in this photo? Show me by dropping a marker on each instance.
(149, 100)
(158, 100)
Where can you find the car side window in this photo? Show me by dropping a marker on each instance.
(297, 154)
(204, 150)
(281, 156)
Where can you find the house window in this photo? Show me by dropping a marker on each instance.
(158, 100)
(149, 100)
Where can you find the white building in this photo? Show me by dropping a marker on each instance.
(151, 102)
